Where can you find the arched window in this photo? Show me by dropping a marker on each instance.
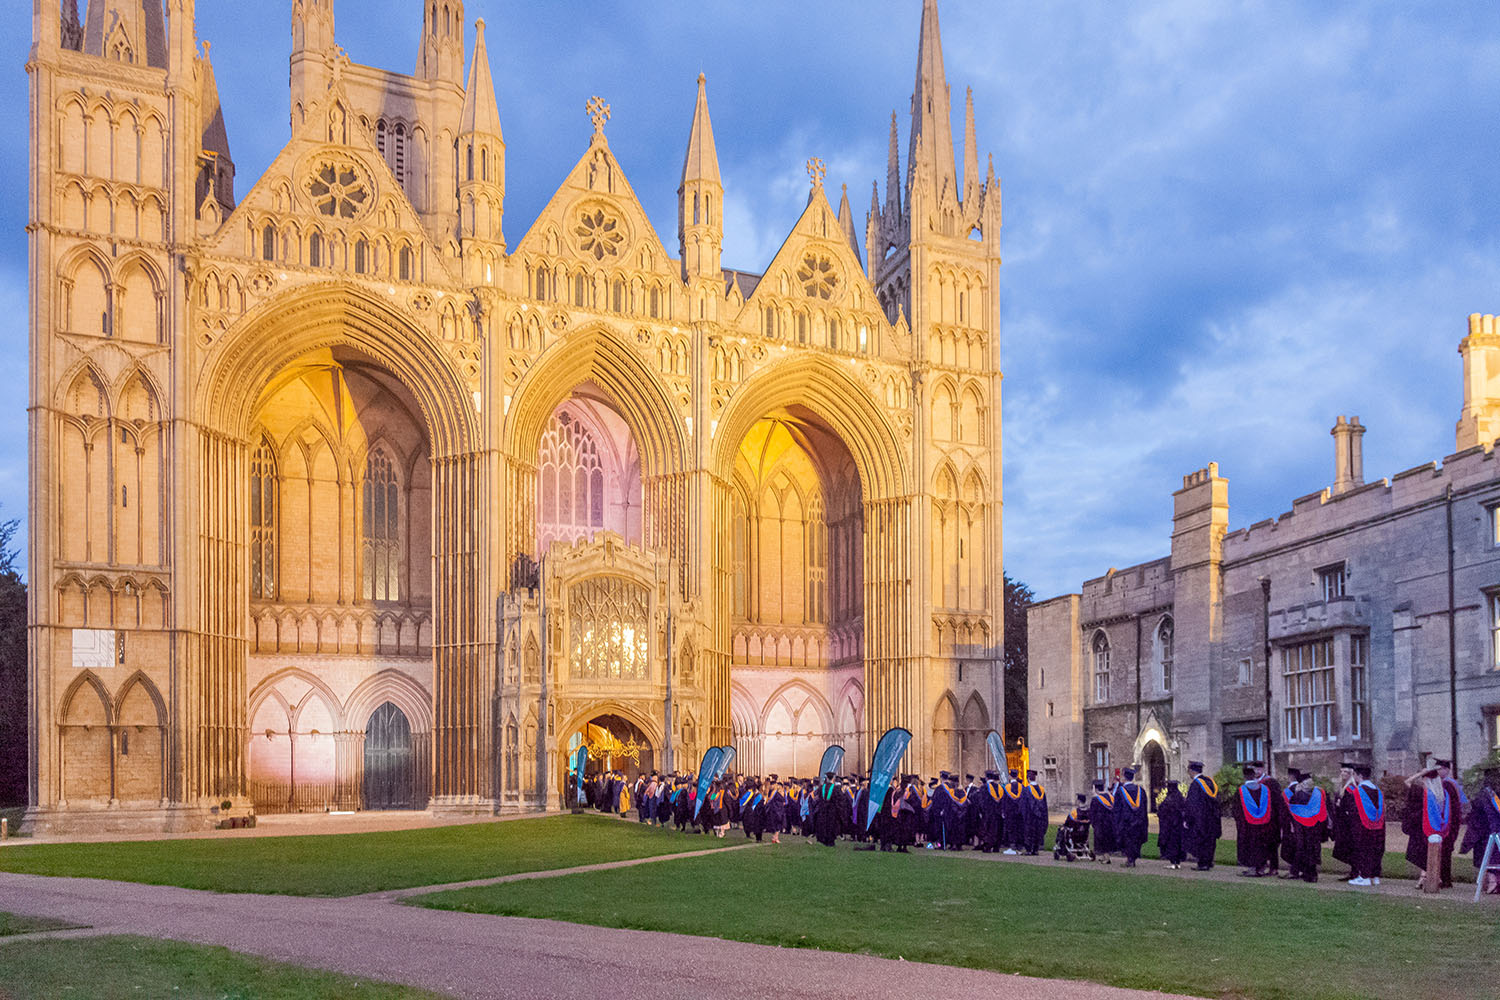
(471, 162)
(572, 480)
(263, 523)
(619, 296)
(1164, 652)
(655, 302)
(404, 267)
(1101, 668)
(580, 290)
(315, 250)
(484, 164)
(382, 530)
(361, 256)
(268, 242)
(817, 563)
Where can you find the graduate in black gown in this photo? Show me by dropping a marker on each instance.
(1309, 809)
(828, 811)
(1484, 822)
(1132, 824)
(776, 809)
(987, 805)
(1011, 825)
(1255, 818)
(1432, 810)
(1204, 824)
(1366, 828)
(1171, 820)
(1033, 815)
(1342, 821)
(1102, 816)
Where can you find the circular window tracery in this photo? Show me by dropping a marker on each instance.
(338, 190)
(818, 275)
(600, 234)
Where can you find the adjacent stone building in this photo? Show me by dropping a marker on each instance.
(1378, 604)
(341, 499)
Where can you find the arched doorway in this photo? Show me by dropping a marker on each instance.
(1156, 770)
(389, 761)
(616, 743)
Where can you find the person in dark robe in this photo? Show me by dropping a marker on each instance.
(1033, 816)
(1132, 821)
(776, 808)
(1171, 819)
(1254, 820)
(971, 811)
(928, 822)
(1366, 828)
(1011, 815)
(1102, 816)
(1074, 830)
(1342, 820)
(1460, 810)
(1204, 823)
(1309, 809)
(1293, 776)
(859, 809)
(829, 809)
(1484, 823)
(1278, 820)
(1432, 810)
(805, 809)
(956, 827)
(682, 806)
(991, 794)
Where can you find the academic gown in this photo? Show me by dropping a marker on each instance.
(1309, 810)
(989, 797)
(1428, 813)
(1484, 821)
(1366, 829)
(1254, 820)
(1342, 825)
(1011, 833)
(1102, 815)
(1131, 822)
(775, 820)
(1033, 818)
(1204, 824)
(1170, 817)
(829, 809)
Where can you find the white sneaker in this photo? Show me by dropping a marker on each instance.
(1009, 851)
(1376, 881)
(1359, 881)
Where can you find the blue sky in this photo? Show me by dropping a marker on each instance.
(1225, 223)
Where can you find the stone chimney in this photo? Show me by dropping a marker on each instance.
(1348, 454)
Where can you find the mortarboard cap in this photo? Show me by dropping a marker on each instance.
(1082, 798)
(1030, 775)
(1098, 786)
(1363, 770)
(1195, 765)
(1129, 774)
(992, 775)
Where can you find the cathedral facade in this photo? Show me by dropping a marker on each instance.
(341, 500)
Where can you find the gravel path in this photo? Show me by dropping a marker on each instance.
(482, 957)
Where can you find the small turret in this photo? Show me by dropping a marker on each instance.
(481, 183)
(931, 150)
(441, 55)
(312, 58)
(846, 223)
(971, 154)
(1479, 421)
(700, 196)
(125, 31)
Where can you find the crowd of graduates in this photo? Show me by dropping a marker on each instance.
(1275, 824)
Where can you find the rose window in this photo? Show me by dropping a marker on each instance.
(818, 276)
(338, 191)
(598, 234)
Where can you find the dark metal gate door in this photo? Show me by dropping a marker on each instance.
(389, 769)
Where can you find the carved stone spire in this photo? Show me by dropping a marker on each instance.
(700, 196)
(971, 151)
(931, 111)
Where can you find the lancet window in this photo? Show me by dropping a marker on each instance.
(263, 523)
(572, 484)
(381, 549)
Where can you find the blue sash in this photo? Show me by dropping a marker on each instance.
(1311, 811)
(1255, 812)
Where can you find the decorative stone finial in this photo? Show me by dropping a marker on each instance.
(599, 112)
(816, 171)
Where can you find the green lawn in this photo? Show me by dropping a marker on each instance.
(1277, 941)
(349, 864)
(15, 923)
(115, 968)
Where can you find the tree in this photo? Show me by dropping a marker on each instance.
(1018, 597)
(13, 744)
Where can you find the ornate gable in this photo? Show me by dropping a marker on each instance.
(593, 246)
(330, 201)
(815, 291)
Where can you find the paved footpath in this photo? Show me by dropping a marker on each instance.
(477, 956)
